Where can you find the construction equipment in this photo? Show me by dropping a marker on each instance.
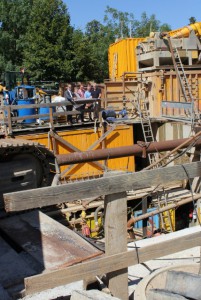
(10, 79)
(186, 30)
(24, 165)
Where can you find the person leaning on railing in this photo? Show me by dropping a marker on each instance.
(68, 94)
(87, 95)
(96, 94)
(79, 107)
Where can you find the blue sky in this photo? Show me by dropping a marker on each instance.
(174, 12)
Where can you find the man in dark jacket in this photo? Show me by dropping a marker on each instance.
(95, 92)
(69, 97)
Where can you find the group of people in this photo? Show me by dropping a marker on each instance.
(80, 93)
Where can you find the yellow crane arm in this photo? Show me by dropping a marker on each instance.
(186, 30)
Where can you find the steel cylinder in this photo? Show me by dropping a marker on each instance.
(136, 150)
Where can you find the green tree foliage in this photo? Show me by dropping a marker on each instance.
(121, 24)
(14, 20)
(82, 59)
(124, 25)
(149, 24)
(37, 35)
(99, 38)
(192, 20)
(49, 41)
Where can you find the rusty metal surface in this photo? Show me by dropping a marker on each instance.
(50, 243)
(95, 155)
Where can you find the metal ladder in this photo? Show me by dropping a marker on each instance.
(165, 217)
(146, 124)
(182, 79)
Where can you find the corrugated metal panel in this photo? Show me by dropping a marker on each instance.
(126, 58)
(83, 139)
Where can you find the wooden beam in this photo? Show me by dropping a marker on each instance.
(69, 145)
(96, 143)
(102, 186)
(116, 240)
(191, 238)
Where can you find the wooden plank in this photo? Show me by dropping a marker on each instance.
(50, 243)
(14, 107)
(116, 240)
(69, 145)
(53, 104)
(64, 142)
(191, 238)
(104, 186)
(55, 114)
(184, 283)
(96, 143)
(13, 268)
(103, 136)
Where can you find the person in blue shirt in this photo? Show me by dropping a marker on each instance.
(87, 94)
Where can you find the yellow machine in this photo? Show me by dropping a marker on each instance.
(123, 54)
(186, 30)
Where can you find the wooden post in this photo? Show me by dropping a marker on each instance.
(9, 119)
(5, 126)
(116, 239)
(51, 118)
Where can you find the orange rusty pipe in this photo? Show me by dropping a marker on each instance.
(134, 150)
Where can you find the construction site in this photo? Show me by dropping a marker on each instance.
(108, 208)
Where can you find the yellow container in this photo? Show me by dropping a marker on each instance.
(122, 57)
(83, 139)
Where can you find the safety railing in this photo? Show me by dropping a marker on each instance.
(28, 114)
